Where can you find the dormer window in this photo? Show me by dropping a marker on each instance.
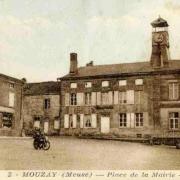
(122, 82)
(73, 85)
(105, 83)
(88, 85)
(139, 82)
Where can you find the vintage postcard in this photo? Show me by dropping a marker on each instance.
(89, 89)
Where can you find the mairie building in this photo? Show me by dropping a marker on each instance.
(126, 100)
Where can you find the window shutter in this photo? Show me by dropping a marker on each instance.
(94, 120)
(116, 97)
(176, 91)
(11, 99)
(105, 83)
(170, 91)
(46, 127)
(139, 81)
(128, 120)
(81, 120)
(132, 120)
(74, 120)
(73, 85)
(66, 121)
(80, 99)
(98, 98)
(56, 124)
(93, 96)
(130, 97)
(110, 97)
(67, 99)
(145, 118)
(37, 124)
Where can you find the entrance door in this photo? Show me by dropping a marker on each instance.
(46, 125)
(105, 124)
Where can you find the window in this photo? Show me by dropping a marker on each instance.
(139, 119)
(47, 103)
(122, 97)
(87, 98)
(173, 120)
(105, 83)
(139, 82)
(73, 85)
(87, 121)
(122, 82)
(88, 85)
(37, 121)
(11, 85)
(73, 100)
(7, 120)
(173, 90)
(122, 120)
(105, 99)
(71, 121)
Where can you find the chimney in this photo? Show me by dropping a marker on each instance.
(73, 63)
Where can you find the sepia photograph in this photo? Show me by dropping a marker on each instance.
(89, 85)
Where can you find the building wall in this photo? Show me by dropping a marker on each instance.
(112, 110)
(8, 86)
(168, 105)
(155, 105)
(33, 106)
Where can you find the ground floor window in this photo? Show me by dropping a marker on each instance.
(122, 120)
(87, 121)
(173, 120)
(37, 120)
(7, 120)
(139, 119)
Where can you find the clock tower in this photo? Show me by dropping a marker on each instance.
(160, 43)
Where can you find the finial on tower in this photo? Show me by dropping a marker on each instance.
(160, 22)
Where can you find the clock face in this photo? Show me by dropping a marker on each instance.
(158, 38)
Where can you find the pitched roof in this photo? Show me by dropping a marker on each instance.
(9, 78)
(120, 69)
(42, 88)
(160, 22)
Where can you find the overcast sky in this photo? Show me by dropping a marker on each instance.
(36, 36)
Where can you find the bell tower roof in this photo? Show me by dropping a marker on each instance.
(160, 22)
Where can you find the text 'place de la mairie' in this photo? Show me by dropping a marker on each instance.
(127, 100)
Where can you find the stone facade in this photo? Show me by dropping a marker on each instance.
(10, 106)
(126, 100)
(41, 107)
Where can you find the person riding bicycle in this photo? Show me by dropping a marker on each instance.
(40, 140)
(38, 133)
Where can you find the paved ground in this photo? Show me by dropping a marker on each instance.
(71, 153)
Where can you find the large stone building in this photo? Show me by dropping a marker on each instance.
(127, 100)
(11, 90)
(41, 107)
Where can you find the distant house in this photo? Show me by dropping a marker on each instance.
(127, 100)
(41, 107)
(10, 106)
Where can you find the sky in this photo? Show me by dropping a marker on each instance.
(37, 36)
